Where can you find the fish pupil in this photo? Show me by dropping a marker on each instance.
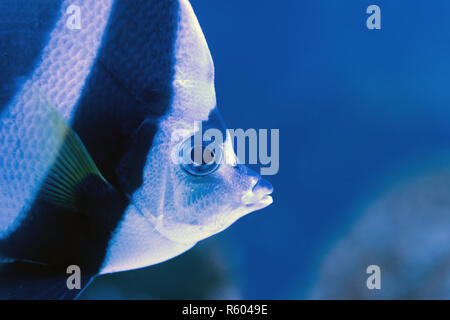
(202, 159)
(206, 156)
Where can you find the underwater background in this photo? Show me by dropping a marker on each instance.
(363, 116)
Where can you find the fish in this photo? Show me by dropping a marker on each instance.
(93, 124)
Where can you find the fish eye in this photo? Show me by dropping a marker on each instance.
(200, 160)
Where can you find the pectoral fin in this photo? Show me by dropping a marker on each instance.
(72, 165)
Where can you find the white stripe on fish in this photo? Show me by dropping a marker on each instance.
(21, 129)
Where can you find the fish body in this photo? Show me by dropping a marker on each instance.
(86, 145)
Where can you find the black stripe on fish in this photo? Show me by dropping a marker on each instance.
(131, 81)
(31, 30)
(21, 280)
(128, 89)
(70, 223)
(73, 217)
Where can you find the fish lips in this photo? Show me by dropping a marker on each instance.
(259, 196)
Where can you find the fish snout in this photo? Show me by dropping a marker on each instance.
(259, 195)
(263, 186)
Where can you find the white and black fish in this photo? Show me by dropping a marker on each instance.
(87, 123)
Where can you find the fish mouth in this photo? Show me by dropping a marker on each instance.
(259, 195)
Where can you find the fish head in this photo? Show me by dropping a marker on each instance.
(205, 196)
(189, 200)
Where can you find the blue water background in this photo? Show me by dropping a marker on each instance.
(353, 107)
